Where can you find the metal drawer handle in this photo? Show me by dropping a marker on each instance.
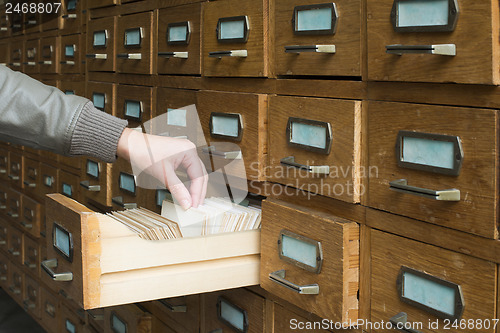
(182, 55)
(15, 64)
(30, 22)
(13, 252)
(132, 56)
(2, 171)
(47, 266)
(316, 169)
(93, 188)
(228, 155)
(3, 206)
(16, 25)
(14, 290)
(29, 265)
(2, 242)
(233, 53)
(174, 308)
(3, 278)
(279, 278)
(119, 201)
(401, 185)
(13, 177)
(399, 321)
(27, 183)
(438, 49)
(28, 305)
(310, 48)
(71, 63)
(69, 16)
(27, 225)
(4, 29)
(46, 62)
(103, 56)
(29, 63)
(13, 215)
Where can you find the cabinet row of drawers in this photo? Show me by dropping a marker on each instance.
(269, 38)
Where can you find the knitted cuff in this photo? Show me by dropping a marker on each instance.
(96, 134)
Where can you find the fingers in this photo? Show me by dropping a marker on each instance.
(198, 186)
(177, 188)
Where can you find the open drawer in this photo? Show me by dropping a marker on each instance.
(99, 262)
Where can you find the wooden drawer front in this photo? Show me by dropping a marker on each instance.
(237, 310)
(16, 284)
(71, 15)
(51, 20)
(91, 4)
(325, 155)
(240, 48)
(442, 285)
(286, 321)
(95, 320)
(180, 313)
(69, 321)
(333, 240)
(101, 45)
(32, 256)
(31, 176)
(134, 45)
(473, 208)
(32, 298)
(32, 22)
(96, 180)
(17, 55)
(4, 165)
(72, 164)
(126, 194)
(99, 241)
(16, 24)
(49, 179)
(15, 246)
(238, 120)
(476, 59)
(70, 86)
(129, 319)
(14, 204)
(69, 185)
(102, 95)
(5, 56)
(31, 219)
(4, 24)
(71, 53)
(179, 40)
(49, 310)
(32, 56)
(4, 235)
(134, 103)
(16, 170)
(49, 57)
(4, 202)
(4, 271)
(318, 38)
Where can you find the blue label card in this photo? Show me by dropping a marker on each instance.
(232, 315)
(118, 325)
(428, 152)
(92, 169)
(133, 37)
(177, 33)
(162, 195)
(67, 190)
(69, 92)
(314, 19)
(308, 135)
(418, 13)
(100, 39)
(127, 182)
(99, 100)
(299, 250)
(62, 240)
(232, 29)
(71, 4)
(69, 51)
(70, 327)
(48, 181)
(226, 126)
(133, 109)
(177, 117)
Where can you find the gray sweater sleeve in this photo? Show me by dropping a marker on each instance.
(42, 117)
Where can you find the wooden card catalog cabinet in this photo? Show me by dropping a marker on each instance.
(124, 190)
(435, 164)
(32, 56)
(91, 4)
(14, 202)
(17, 55)
(235, 39)
(49, 57)
(314, 38)
(31, 19)
(93, 259)
(101, 44)
(49, 180)
(414, 283)
(134, 46)
(179, 40)
(69, 185)
(314, 266)
(71, 52)
(316, 145)
(16, 24)
(15, 246)
(433, 41)
(69, 321)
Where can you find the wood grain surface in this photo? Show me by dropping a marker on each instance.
(107, 24)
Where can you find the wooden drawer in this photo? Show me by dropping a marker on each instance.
(96, 178)
(16, 24)
(31, 220)
(4, 271)
(15, 246)
(320, 270)
(124, 190)
(70, 86)
(71, 11)
(16, 284)
(69, 185)
(130, 319)
(4, 24)
(91, 4)
(103, 96)
(426, 284)
(134, 45)
(49, 56)
(236, 119)
(448, 49)
(31, 176)
(17, 55)
(286, 321)
(51, 18)
(179, 40)
(32, 22)
(4, 203)
(49, 310)
(16, 164)
(69, 321)
(32, 56)
(180, 313)
(239, 46)
(95, 319)
(4, 165)
(49, 180)
(71, 54)
(105, 252)
(316, 145)
(14, 204)
(315, 38)
(101, 45)
(4, 235)
(5, 56)
(134, 103)
(32, 298)
(32, 256)
(424, 154)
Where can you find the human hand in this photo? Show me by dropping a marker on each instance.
(160, 156)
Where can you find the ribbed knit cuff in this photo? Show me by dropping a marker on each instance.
(96, 134)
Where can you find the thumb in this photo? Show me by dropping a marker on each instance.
(178, 190)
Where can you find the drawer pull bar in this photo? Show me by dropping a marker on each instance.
(401, 185)
(15, 64)
(174, 308)
(400, 320)
(310, 48)
(71, 63)
(279, 278)
(13, 252)
(27, 225)
(132, 56)
(13, 215)
(14, 177)
(103, 56)
(46, 62)
(27, 183)
(30, 63)
(3, 171)
(3, 206)
(233, 53)
(69, 16)
(4, 29)
(95, 316)
(14, 290)
(319, 169)
(28, 305)
(182, 55)
(438, 49)
(2, 242)
(93, 188)
(16, 25)
(47, 266)
(29, 265)
(3, 278)
(119, 201)
(228, 155)
(30, 22)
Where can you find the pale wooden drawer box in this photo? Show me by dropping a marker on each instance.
(315, 145)
(32, 256)
(32, 56)
(131, 319)
(16, 283)
(49, 55)
(238, 310)
(31, 176)
(421, 283)
(134, 46)
(435, 163)
(16, 164)
(313, 265)
(95, 254)
(235, 39)
(318, 38)
(457, 42)
(32, 298)
(180, 313)
(49, 310)
(4, 270)
(101, 45)
(179, 40)
(71, 54)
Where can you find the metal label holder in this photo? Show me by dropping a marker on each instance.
(100, 46)
(95, 164)
(319, 251)
(246, 29)
(103, 97)
(135, 45)
(221, 300)
(67, 256)
(330, 31)
(317, 123)
(453, 12)
(115, 316)
(226, 115)
(123, 174)
(185, 24)
(129, 116)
